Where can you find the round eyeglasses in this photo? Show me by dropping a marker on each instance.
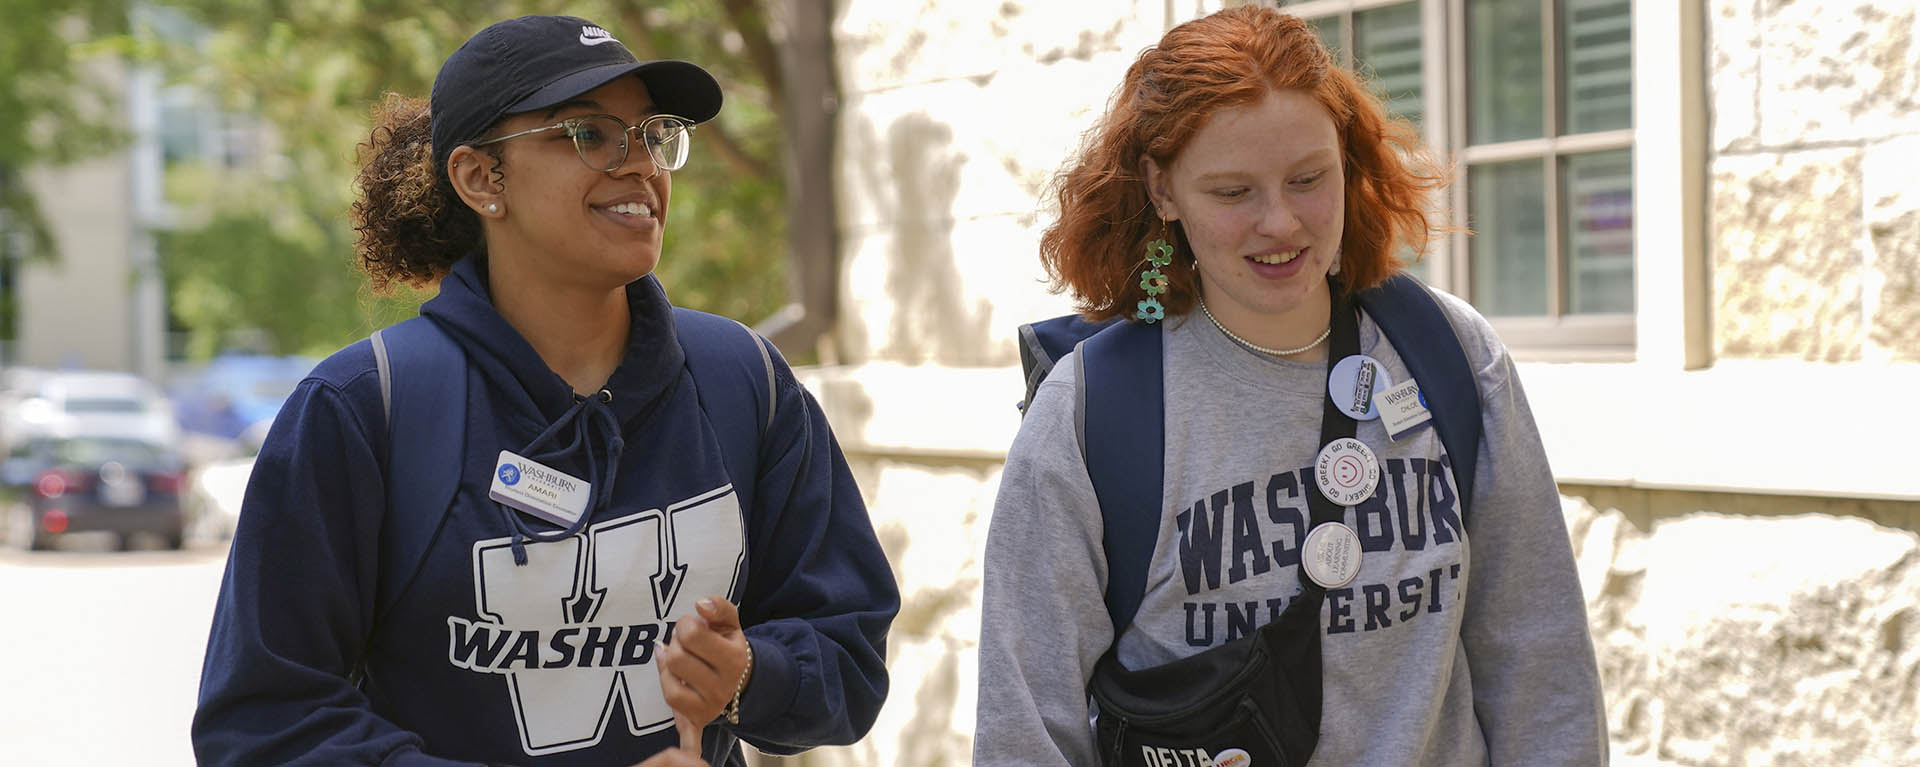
(601, 140)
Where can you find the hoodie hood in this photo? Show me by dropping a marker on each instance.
(532, 393)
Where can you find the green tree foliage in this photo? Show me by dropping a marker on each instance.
(52, 109)
(275, 250)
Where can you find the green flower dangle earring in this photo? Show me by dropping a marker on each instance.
(1153, 281)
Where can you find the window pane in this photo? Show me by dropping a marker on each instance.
(1597, 226)
(1387, 41)
(1505, 80)
(1508, 249)
(1597, 76)
(1329, 29)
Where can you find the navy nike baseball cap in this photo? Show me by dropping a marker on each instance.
(535, 62)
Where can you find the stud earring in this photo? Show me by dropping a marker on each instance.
(1153, 281)
(493, 207)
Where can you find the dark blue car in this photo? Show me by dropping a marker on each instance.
(81, 483)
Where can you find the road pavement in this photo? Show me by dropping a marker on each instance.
(103, 653)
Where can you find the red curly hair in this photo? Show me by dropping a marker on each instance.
(1234, 57)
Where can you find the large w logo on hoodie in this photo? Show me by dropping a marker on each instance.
(576, 627)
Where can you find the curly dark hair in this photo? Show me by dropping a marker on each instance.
(1230, 58)
(412, 226)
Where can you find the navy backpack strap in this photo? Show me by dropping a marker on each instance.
(1043, 343)
(1420, 331)
(1121, 419)
(423, 390)
(732, 370)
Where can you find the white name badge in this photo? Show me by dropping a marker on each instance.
(537, 489)
(1402, 408)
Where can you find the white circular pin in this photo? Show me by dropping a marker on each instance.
(1346, 471)
(1331, 555)
(1353, 382)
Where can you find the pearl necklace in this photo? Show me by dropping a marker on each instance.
(1257, 347)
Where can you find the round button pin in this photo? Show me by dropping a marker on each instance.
(1233, 757)
(1346, 471)
(1331, 555)
(1353, 382)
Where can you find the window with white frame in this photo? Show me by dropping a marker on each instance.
(1532, 99)
(1386, 41)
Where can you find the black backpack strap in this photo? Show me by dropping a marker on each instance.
(1425, 339)
(732, 369)
(423, 395)
(1121, 417)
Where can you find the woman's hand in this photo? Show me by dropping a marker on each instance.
(673, 757)
(703, 665)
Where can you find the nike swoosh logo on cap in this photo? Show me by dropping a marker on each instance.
(595, 36)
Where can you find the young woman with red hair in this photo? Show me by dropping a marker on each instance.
(1281, 187)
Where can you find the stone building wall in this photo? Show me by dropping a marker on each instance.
(1816, 147)
(1744, 630)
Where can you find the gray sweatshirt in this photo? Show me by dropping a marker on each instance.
(1446, 649)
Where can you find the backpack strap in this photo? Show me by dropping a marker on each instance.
(1121, 424)
(1043, 343)
(732, 369)
(1420, 332)
(423, 398)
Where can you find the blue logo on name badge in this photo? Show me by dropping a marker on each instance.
(1422, 395)
(509, 474)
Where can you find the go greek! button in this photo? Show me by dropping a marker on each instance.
(1346, 471)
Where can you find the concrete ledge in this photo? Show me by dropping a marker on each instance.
(1775, 427)
(1754, 426)
(931, 411)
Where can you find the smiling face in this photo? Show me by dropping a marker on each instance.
(1259, 193)
(569, 222)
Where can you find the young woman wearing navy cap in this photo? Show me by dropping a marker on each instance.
(650, 604)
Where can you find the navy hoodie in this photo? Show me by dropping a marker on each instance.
(519, 643)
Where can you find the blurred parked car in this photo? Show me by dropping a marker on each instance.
(92, 481)
(55, 403)
(237, 393)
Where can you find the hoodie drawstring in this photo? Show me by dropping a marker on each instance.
(592, 423)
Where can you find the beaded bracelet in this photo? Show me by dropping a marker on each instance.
(732, 711)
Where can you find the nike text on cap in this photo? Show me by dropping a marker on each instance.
(535, 62)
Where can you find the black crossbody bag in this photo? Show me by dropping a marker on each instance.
(1253, 701)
